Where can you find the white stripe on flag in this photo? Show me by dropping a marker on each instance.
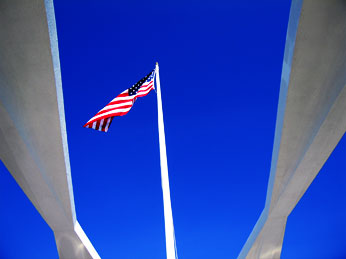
(111, 113)
(101, 124)
(108, 107)
(144, 92)
(144, 87)
(107, 125)
(123, 98)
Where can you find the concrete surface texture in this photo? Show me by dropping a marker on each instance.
(32, 130)
(311, 116)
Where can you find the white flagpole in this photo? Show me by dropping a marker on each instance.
(169, 228)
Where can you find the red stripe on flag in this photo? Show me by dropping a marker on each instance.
(116, 108)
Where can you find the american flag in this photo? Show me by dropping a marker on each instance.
(121, 104)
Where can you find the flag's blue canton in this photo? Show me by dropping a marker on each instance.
(134, 89)
(151, 75)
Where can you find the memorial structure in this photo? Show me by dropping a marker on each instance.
(311, 117)
(32, 129)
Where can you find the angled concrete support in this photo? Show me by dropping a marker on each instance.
(32, 129)
(311, 117)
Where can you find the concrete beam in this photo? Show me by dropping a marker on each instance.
(311, 117)
(32, 131)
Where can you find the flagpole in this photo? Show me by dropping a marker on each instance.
(169, 227)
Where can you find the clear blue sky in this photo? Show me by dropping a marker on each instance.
(220, 68)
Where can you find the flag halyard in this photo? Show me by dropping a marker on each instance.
(121, 104)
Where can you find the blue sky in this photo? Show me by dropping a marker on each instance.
(220, 69)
